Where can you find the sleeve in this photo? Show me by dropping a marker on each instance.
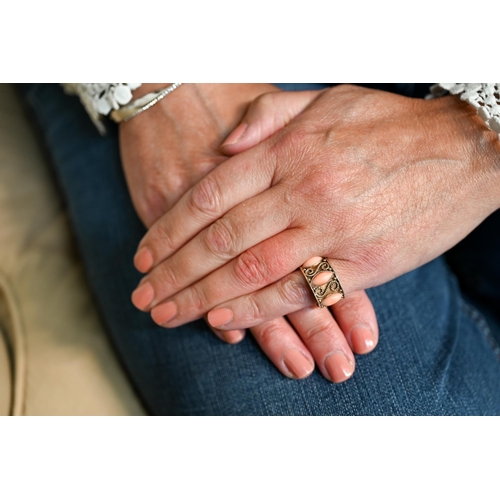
(485, 97)
(99, 99)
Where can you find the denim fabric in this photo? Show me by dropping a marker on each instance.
(436, 354)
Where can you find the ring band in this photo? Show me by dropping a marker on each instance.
(322, 291)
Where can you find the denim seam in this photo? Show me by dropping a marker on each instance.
(478, 318)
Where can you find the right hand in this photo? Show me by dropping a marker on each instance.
(377, 183)
(331, 343)
(268, 114)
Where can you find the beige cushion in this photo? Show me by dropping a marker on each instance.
(54, 356)
(5, 376)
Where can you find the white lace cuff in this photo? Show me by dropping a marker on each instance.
(485, 97)
(99, 99)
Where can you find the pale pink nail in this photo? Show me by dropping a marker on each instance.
(312, 261)
(362, 339)
(236, 135)
(338, 367)
(322, 278)
(219, 317)
(332, 299)
(297, 363)
(143, 260)
(164, 312)
(142, 296)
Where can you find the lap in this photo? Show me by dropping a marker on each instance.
(435, 355)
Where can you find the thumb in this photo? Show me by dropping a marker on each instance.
(265, 116)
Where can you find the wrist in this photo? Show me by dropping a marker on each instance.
(146, 88)
(224, 103)
(481, 148)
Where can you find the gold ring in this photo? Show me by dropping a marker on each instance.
(326, 286)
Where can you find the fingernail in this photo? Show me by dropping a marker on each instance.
(338, 367)
(143, 260)
(164, 312)
(332, 299)
(219, 317)
(362, 339)
(321, 278)
(142, 296)
(235, 135)
(232, 336)
(297, 364)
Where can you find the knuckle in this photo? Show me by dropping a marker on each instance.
(220, 239)
(168, 277)
(320, 329)
(283, 149)
(197, 300)
(250, 270)
(267, 332)
(254, 311)
(289, 199)
(346, 88)
(318, 187)
(264, 101)
(206, 197)
(354, 302)
(380, 255)
(295, 291)
(163, 238)
(291, 148)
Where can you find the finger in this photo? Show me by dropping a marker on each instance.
(266, 115)
(229, 184)
(286, 295)
(289, 294)
(356, 317)
(284, 348)
(252, 270)
(355, 314)
(229, 336)
(325, 341)
(240, 229)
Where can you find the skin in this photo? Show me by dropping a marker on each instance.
(168, 149)
(175, 144)
(378, 183)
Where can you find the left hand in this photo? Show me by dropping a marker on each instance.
(170, 147)
(379, 183)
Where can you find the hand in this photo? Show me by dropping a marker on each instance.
(181, 136)
(355, 316)
(169, 148)
(320, 337)
(379, 183)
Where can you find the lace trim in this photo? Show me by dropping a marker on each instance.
(99, 99)
(485, 97)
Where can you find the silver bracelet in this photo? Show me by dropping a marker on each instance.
(140, 105)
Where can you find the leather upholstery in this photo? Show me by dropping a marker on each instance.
(55, 358)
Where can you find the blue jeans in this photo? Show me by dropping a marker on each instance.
(437, 355)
